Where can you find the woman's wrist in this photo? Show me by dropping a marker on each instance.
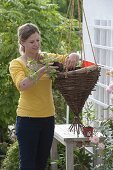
(37, 74)
(42, 70)
(33, 77)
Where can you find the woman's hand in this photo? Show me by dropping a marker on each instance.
(50, 68)
(71, 61)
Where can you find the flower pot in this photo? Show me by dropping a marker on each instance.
(87, 131)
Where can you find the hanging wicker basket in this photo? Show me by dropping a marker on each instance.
(75, 86)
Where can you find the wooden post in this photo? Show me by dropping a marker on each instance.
(69, 157)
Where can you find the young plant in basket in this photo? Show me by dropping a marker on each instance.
(49, 61)
(33, 66)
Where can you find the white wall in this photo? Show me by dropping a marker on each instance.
(95, 9)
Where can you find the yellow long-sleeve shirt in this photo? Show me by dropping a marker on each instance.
(37, 101)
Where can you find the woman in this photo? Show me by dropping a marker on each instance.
(35, 111)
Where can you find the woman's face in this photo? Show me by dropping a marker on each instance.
(32, 44)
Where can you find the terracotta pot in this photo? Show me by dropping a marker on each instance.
(87, 131)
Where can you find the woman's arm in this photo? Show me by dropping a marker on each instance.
(30, 80)
(27, 82)
(70, 60)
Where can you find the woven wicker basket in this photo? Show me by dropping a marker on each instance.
(75, 86)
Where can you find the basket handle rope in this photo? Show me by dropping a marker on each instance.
(81, 8)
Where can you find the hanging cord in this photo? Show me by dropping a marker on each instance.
(80, 28)
(61, 34)
(69, 6)
(70, 13)
(71, 22)
(82, 50)
(88, 33)
(69, 38)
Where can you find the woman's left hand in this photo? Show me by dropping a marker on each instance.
(71, 61)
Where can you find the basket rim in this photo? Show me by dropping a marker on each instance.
(81, 70)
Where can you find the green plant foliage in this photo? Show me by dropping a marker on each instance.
(64, 5)
(106, 128)
(8, 100)
(83, 160)
(3, 148)
(60, 107)
(11, 161)
(88, 113)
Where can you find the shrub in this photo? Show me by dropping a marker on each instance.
(11, 161)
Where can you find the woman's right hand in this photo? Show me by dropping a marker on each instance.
(50, 68)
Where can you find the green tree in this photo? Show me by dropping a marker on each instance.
(64, 6)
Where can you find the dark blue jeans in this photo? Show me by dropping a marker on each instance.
(35, 136)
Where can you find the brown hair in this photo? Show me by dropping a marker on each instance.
(24, 32)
